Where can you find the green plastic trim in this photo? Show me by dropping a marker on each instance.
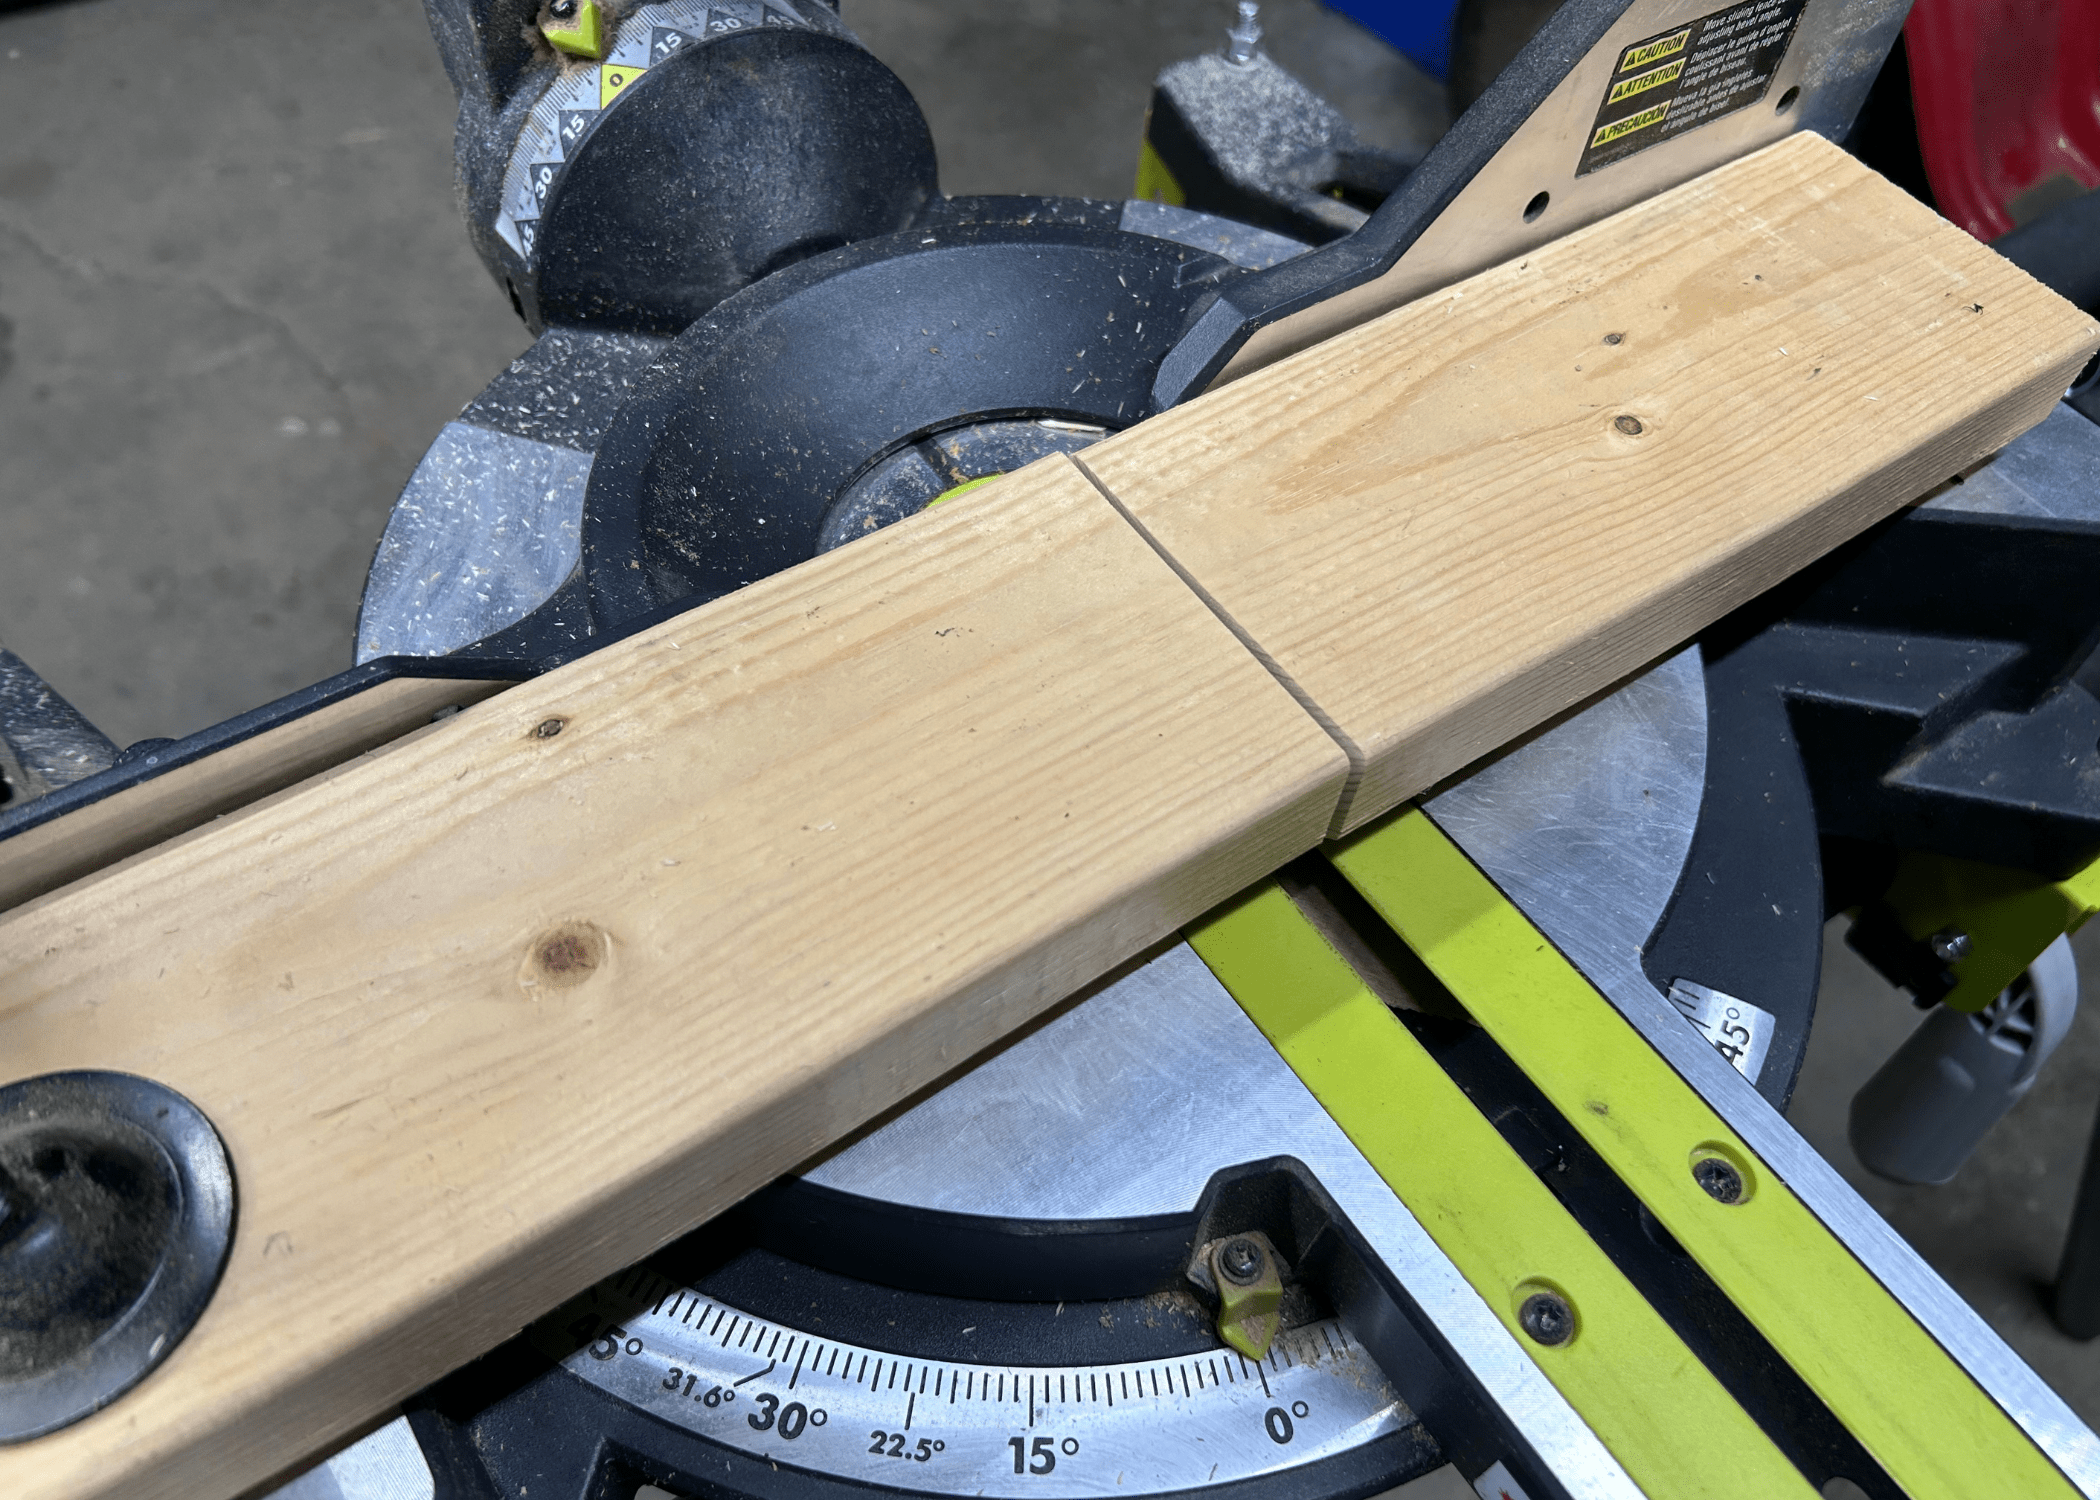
(2010, 916)
(1659, 1411)
(1249, 1316)
(1155, 183)
(582, 35)
(961, 489)
(1917, 1412)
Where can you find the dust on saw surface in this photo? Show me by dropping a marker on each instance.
(1451, 523)
(493, 1013)
(497, 1010)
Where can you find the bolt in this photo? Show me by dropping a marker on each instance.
(1547, 1317)
(1950, 945)
(1723, 1183)
(1243, 41)
(549, 728)
(1241, 1262)
(1631, 426)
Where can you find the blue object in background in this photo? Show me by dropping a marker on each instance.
(1419, 28)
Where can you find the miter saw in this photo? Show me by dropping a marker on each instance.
(1133, 1252)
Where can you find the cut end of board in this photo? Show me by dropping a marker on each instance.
(857, 821)
(1449, 524)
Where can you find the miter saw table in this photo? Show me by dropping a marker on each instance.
(1162, 1242)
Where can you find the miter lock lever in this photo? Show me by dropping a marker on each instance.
(1246, 1275)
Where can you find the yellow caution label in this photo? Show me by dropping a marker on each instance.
(1606, 134)
(612, 80)
(1655, 51)
(1640, 83)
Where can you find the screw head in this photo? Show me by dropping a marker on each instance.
(1950, 945)
(1629, 425)
(548, 729)
(1547, 1318)
(1241, 1262)
(1722, 1182)
(562, 10)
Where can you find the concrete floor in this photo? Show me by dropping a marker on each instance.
(236, 303)
(1995, 1232)
(238, 306)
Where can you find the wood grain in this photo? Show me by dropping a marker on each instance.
(496, 1010)
(491, 1014)
(1448, 525)
(147, 813)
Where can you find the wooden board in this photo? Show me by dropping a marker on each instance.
(1435, 528)
(493, 1012)
(147, 813)
(489, 1015)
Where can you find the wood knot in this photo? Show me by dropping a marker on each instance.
(564, 956)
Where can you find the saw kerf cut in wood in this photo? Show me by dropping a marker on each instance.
(1449, 524)
(492, 1015)
(497, 1010)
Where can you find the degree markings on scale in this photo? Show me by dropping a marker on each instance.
(563, 117)
(750, 1335)
(782, 1394)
